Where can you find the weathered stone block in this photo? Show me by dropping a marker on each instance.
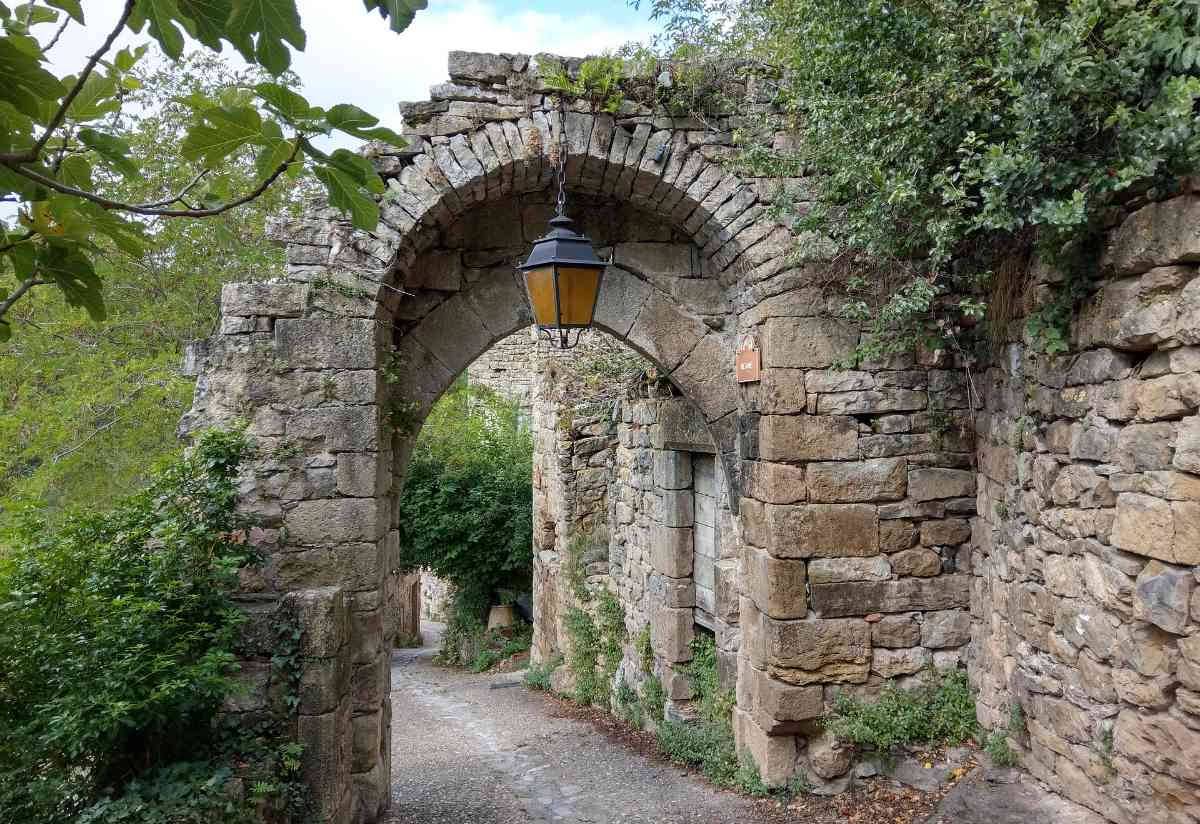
(1168, 531)
(681, 426)
(774, 483)
(776, 585)
(813, 651)
(935, 483)
(807, 438)
(812, 343)
(327, 343)
(274, 299)
(1160, 234)
(822, 530)
(325, 763)
(1187, 447)
(361, 475)
(621, 298)
(671, 550)
(827, 756)
(905, 595)
(893, 663)
(323, 618)
(779, 392)
(879, 479)
(872, 401)
(946, 532)
(895, 535)
(1162, 595)
(919, 562)
(677, 508)
(831, 570)
(671, 633)
(672, 469)
(946, 628)
(773, 699)
(333, 521)
(1162, 742)
(775, 756)
(897, 632)
(664, 332)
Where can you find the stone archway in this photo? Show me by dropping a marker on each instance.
(335, 367)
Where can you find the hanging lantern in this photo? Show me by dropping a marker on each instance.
(562, 274)
(562, 279)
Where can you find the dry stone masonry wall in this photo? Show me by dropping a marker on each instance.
(863, 519)
(1086, 605)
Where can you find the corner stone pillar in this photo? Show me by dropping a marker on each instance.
(298, 364)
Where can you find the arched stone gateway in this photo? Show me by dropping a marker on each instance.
(852, 494)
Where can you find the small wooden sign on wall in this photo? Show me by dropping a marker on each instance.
(749, 361)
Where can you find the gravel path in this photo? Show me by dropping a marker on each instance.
(481, 749)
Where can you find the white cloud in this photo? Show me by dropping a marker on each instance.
(353, 57)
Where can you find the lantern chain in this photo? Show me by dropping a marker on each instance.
(562, 155)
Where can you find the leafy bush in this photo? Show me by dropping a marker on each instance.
(946, 138)
(941, 710)
(654, 698)
(537, 677)
(467, 507)
(116, 651)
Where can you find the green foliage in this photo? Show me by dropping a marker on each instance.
(628, 705)
(88, 410)
(537, 677)
(610, 624)
(65, 139)
(584, 548)
(715, 704)
(181, 793)
(951, 137)
(596, 648)
(116, 650)
(996, 743)
(940, 710)
(707, 743)
(467, 509)
(500, 646)
(645, 651)
(597, 81)
(584, 657)
(653, 698)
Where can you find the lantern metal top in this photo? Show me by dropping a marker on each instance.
(562, 246)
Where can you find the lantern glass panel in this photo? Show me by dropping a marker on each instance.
(577, 289)
(540, 284)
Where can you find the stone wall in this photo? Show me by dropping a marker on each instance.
(574, 436)
(654, 548)
(855, 521)
(850, 493)
(508, 368)
(1087, 613)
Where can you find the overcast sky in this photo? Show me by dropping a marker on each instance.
(353, 57)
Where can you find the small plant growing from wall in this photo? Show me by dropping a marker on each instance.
(941, 710)
(598, 82)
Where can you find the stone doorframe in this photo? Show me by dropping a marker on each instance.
(334, 368)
